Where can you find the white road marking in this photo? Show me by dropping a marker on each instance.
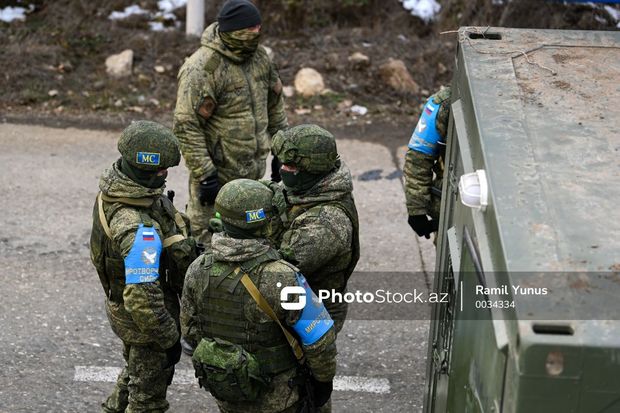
(341, 383)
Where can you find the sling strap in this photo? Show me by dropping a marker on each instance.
(266, 308)
(104, 222)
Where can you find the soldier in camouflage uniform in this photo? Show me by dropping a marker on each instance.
(216, 305)
(425, 157)
(140, 250)
(229, 104)
(318, 211)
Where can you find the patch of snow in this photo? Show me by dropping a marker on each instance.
(129, 11)
(424, 9)
(614, 13)
(157, 26)
(168, 6)
(167, 16)
(8, 14)
(359, 110)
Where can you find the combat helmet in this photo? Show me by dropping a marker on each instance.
(149, 146)
(309, 147)
(245, 203)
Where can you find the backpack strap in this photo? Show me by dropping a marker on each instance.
(266, 308)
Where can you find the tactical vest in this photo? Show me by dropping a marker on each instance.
(222, 315)
(347, 205)
(107, 257)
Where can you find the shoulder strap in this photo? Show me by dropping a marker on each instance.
(146, 219)
(104, 222)
(266, 308)
(139, 202)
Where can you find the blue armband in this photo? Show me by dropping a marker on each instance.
(142, 262)
(314, 321)
(425, 137)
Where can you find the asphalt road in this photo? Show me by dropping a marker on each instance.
(57, 350)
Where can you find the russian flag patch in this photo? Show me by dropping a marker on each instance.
(148, 236)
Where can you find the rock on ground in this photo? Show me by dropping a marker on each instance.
(395, 74)
(120, 65)
(309, 82)
(359, 60)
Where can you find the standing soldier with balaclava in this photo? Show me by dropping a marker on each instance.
(425, 157)
(140, 249)
(229, 104)
(252, 354)
(316, 204)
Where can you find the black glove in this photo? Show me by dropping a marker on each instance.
(322, 391)
(422, 225)
(275, 169)
(173, 354)
(208, 190)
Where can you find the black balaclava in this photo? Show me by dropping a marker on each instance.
(148, 179)
(300, 181)
(238, 233)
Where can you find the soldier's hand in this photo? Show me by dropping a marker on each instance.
(275, 170)
(208, 190)
(322, 391)
(173, 354)
(422, 225)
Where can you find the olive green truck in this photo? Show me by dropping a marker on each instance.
(528, 244)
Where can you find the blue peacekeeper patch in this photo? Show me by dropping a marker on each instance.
(142, 262)
(147, 158)
(315, 321)
(255, 216)
(425, 137)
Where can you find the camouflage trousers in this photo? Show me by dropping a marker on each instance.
(141, 386)
(199, 215)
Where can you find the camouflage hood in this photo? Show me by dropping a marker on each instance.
(116, 184)
(211, 39)
(229, 249)
(334, 185)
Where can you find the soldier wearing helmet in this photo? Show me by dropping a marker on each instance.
(239, 340)
(140, 248)
(424, 159)
(229, 104)
(316, 205)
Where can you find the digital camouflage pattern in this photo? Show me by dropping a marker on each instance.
(321, 234)
(309, 147)
(203, 280)
(245, 203)
(227, 109)
(149, 138)
(144, 379)
(242, 43)
(144, 316)
(419, 167)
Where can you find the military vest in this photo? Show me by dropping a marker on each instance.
(222, 314)
(335, 266)
(107, 257)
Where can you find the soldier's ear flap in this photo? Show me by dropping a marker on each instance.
(206, 108)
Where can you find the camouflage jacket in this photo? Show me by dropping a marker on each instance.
(226, 111)
(144, 313)
(321, 238)
(270, 277)
(419, 167)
